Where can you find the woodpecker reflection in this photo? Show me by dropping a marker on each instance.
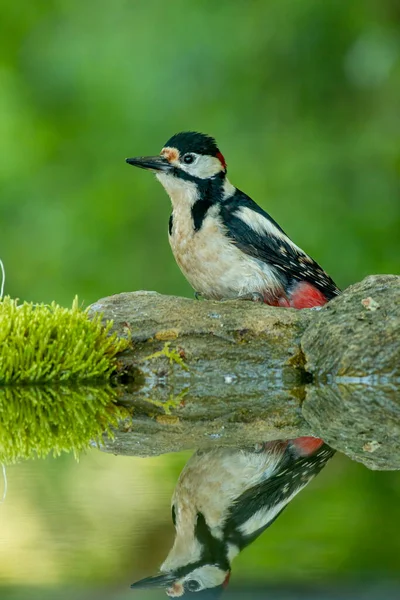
(224, 499)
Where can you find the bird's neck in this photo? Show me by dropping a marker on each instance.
(185, 193)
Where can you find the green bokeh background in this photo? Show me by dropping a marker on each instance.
(303, 97)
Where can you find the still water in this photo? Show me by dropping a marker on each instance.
(89, 529)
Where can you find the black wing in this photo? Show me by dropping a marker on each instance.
(293, 475)
(291, 264)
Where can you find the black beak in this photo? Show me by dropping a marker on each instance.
(157, 581)
(152, 163)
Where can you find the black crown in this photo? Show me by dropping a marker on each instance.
(191, 141)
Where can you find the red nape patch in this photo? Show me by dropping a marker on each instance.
(221, 160)
(306, 446)
(306, 295)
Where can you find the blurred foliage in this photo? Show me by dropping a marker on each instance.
(107, 522)
(303, 98)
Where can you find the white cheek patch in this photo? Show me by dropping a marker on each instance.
(208, 576)
(203, 167)
(263, 226)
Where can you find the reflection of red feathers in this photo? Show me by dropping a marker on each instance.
(306, 446)
(305, 295)
(226, 580)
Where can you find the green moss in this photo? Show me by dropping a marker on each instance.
(36, 421)
(172, 402)
(172, 355)
(48, 343)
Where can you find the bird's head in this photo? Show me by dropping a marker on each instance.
(198, 563)
(206, 581)
(187, 161)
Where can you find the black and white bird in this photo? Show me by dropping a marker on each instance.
(229, 247)
(224, 499)
(225, 244)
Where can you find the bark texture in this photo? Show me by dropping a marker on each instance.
(235, 373)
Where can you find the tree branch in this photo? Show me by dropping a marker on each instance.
(235, 372)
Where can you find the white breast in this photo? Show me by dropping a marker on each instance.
(209, 484)
(213, 479)
(211, 262)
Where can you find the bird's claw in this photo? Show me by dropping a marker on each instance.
(253, 297)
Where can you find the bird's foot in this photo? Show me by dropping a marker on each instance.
(252, 296)
(274, 446)
(258, 448)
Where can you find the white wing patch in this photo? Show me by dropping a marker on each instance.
(229, 189)
(265, 515)
(263, 226)
(233, 551)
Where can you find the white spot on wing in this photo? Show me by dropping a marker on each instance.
(263, 226)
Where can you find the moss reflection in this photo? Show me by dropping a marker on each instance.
(38, 421)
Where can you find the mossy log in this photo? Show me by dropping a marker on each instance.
(233, 373)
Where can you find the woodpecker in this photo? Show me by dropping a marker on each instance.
(225, 244)
(224, 499)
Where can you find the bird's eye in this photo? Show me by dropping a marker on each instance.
(188, 158)
(192, 585)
